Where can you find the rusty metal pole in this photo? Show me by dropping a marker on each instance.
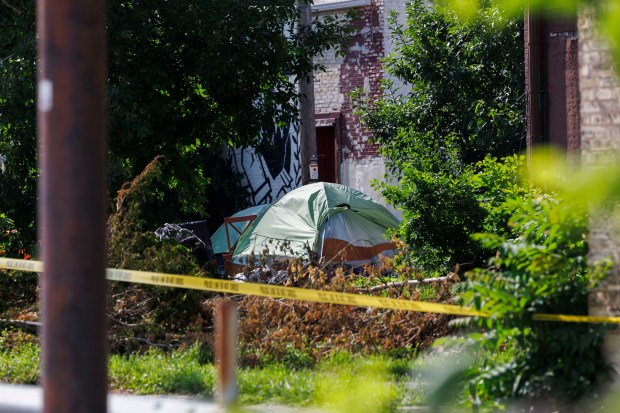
(72, 203)
(226, 351)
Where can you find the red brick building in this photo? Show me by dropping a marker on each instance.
(574, 103)
(345, 154)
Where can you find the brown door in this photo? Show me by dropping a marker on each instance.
(552, 77)
(562, 81)
(326, 153)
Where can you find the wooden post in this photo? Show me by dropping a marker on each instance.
(72, 203)
(226, 351)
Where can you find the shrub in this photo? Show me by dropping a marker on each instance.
(12, 245)
(144, 315)
(463, 101)
(540, 267)
(299, 333)
(497, 181)
(440, 211)
(442, 208)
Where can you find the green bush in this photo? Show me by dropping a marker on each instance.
(12, 244)
(442, 208)
(463, 102)
(497, 181)
(540, 267)
(440, 211)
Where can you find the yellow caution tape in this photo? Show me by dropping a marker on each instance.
(575, 318)
(261, 290)
(21, 265)
(293, 293)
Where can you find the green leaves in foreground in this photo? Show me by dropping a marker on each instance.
(341, 382)
(607, 13)
(359, 386)
(540, 268)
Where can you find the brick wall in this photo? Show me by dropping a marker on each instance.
(600, 140)
(600, 95)
(400, 7)
(360, 68)
(600, 124)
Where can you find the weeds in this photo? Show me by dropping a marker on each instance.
(183, 372)
(275, 329)
(277, 384)
(19, 358)
(143, 317)
(157, 372)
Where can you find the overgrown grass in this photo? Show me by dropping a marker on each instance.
(375, 383)
(20, 364)
(342, 382)
(354, 384)
(156, 372)
(277, 384)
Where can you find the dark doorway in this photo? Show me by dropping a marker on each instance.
(326, 153)
(561, 47)
(552, 82)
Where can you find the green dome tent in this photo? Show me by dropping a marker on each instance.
(335, 222)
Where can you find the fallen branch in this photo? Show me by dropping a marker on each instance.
(13, 7)
(26, 325)
(130, 325)
(148, 342)
(397, 284)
